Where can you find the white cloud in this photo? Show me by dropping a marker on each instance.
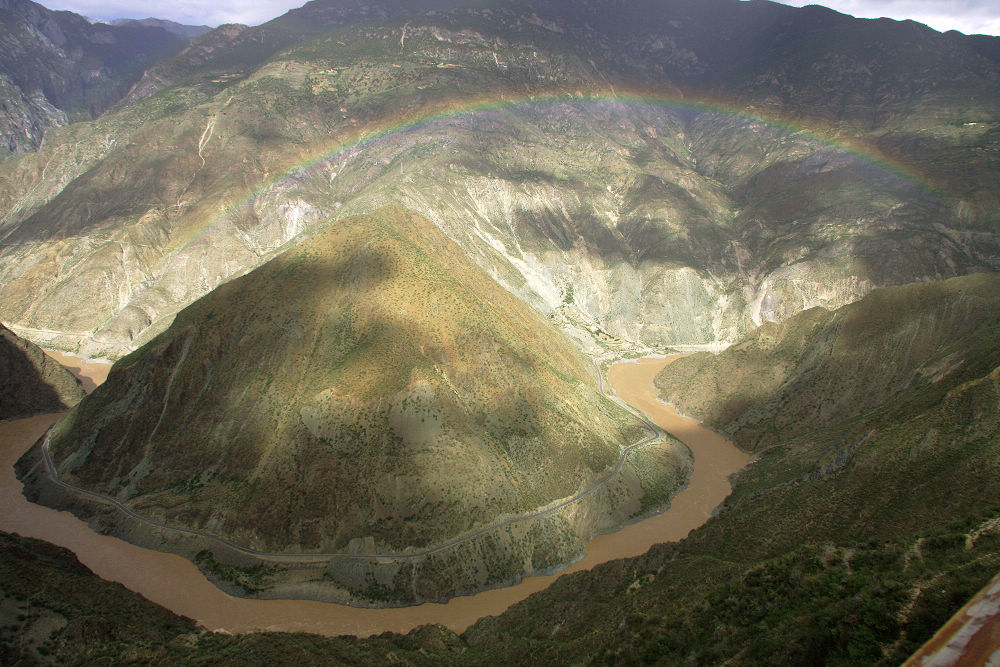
(968, 16)
(190, 12)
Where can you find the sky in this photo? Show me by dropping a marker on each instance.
(968, 16)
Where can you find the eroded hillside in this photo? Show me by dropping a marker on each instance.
(585, 182)
(32, 381)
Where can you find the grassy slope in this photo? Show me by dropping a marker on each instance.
(858, 560)
(370, 390)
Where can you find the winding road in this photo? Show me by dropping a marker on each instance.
(176, 583)
(655, 434)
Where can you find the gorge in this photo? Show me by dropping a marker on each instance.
(367, 271)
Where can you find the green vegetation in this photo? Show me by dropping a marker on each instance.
(53, 609)
(250, 579)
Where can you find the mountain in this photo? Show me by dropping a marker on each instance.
(57, 67)
(188, 32)
(33, 381)
(643, 175)
(369, 392)
(233, 51)
(591, 177)
(889, 537)
(824, 370)
(863, 524)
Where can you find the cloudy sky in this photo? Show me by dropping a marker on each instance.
(968, 16)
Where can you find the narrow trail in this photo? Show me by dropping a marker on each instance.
(177, 584)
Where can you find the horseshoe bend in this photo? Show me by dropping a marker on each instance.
(177, 584)
(369, 270)
(349, 443)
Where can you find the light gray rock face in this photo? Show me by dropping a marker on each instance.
(633, 225)
(624, 250)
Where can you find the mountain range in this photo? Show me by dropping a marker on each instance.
(58, 67)
(579, 167)
(351, 263)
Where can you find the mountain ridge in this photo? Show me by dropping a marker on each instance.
(664, 187)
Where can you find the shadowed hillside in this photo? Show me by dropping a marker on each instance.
(57, 67)
(30, 381)
(832, 550)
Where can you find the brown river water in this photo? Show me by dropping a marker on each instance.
(178, 585)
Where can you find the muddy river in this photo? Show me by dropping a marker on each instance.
(176, 583)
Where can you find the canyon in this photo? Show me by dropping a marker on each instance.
(362, 271)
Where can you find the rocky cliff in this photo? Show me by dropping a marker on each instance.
(57, 67)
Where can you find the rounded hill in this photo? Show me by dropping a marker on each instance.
(371, 391)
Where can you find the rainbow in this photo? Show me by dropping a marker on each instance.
(355, 140)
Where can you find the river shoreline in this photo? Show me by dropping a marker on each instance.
(177, 584)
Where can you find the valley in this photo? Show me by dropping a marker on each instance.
(482, 452)
(496, 332)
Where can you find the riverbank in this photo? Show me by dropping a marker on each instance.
(177, 584)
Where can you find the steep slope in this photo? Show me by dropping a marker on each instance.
(821, 369)
(863, 525)
(634, 223)
(57, 67)
(54, 608)
(369, 392)
(32, 382)
(231, 52)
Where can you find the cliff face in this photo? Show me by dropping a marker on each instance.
(32, 382)
(58, 68)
